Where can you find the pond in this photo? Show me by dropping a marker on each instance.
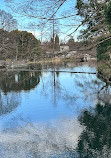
(47, 111)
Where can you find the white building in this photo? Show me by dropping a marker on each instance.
(64, 48)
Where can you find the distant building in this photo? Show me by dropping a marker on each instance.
(64, 48)
(87, 57)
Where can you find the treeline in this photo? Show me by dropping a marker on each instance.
(15, 44)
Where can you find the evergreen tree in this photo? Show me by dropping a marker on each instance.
(57, 47)
(71, 42)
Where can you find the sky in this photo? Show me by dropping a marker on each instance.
(2, 5)
(64, 30)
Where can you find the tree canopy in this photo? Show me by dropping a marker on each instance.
(19, 45)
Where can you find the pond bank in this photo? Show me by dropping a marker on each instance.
(13, 64)
(23, 63)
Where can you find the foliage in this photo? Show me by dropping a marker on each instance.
(103, 57)
(96, 17)
(18, 45)
(102, 49)
(6, 46)
(56, 43)
(91, 13)
(107, 13)
(27, 44)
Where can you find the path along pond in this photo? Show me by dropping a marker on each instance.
(47, 114)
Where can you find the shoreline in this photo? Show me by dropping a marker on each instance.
(56, 60)
(23, 64)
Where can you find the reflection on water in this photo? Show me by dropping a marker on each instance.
(17, 81)
(52, 114)
(95, 140)
(36, 141)
(8, 103)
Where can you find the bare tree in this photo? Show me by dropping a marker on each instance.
(7, 22)
(45, 10)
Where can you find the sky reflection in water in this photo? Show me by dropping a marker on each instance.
(42, 112)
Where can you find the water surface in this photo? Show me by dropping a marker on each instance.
(54, 114)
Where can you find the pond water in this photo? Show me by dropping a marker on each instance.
(47, 114)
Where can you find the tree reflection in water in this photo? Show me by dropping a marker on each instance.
(8, 103)
(17, 81)
(14, 82)
(95, 140)
(32, 141)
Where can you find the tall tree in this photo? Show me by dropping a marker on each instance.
(27, 46)
(6, 44)
(71, 42)
(57, 42)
